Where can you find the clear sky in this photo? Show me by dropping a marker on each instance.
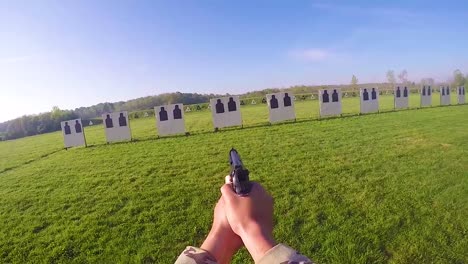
(79, 53)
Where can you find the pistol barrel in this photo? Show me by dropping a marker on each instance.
(239, 175)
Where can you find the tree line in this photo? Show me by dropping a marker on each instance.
(30, 125)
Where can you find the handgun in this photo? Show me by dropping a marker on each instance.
(239, 175)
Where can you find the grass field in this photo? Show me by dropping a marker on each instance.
(380, 188)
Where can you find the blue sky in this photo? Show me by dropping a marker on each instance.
(79, 53)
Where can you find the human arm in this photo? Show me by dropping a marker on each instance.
(251, 217)
(219, 246)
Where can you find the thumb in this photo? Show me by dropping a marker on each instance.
(228, 179)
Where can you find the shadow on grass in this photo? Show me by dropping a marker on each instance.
(30, 161)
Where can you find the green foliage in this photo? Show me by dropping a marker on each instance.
(260, 94)
(141, 114)
(150, 102)
(458, 78)
(35, 124)
(48, 122)
(379, 188)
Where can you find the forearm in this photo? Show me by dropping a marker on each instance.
(220, 246)
(257, 241)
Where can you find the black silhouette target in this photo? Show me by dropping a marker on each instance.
(163, 114)
(219, 107)
(374, 94)
(177, 112)
(67, 129)
(232, 105)
(273, 102)
(287, 100)
(365, 95)
(109, 123)
(122, 120)
(78, 127)
(335, 97)
(325, 97)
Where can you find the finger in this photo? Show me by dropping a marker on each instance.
(227, 192)
(221, 202)
(228, 179)
(258, 188)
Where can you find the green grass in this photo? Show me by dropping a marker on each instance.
(15, 153)
(381, 188)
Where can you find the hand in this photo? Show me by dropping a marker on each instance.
(251, 217)
(222, 243)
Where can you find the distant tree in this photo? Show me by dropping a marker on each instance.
(56, 112)
(427, 81)
(391, 78)
(107, 107)
(354, 83)
(50, 121)
(458, 78)
(403, 77)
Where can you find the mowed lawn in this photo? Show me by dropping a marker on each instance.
(380, 188)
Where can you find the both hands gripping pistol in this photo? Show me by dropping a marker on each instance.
(239, 175)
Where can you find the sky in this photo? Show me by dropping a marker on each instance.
(69, 53)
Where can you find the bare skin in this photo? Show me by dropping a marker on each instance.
(251, 218)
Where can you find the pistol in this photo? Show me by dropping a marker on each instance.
(239, 175)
